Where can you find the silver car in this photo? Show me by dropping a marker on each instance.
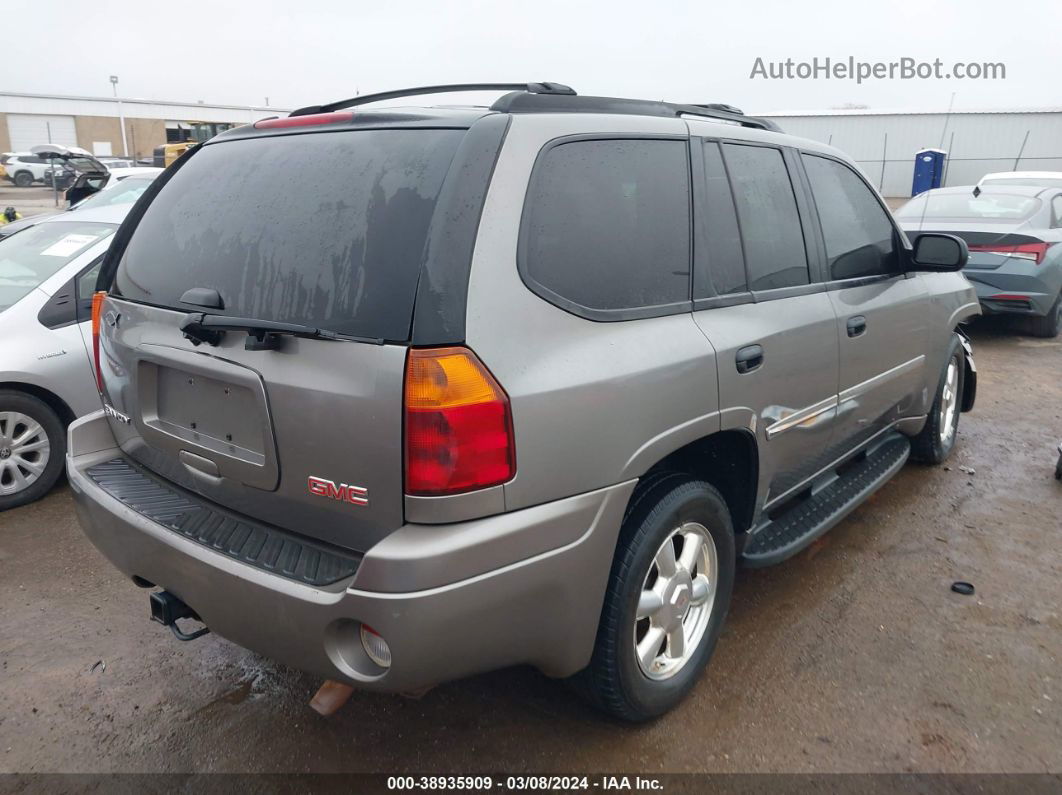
(480, 387)
(1013, 233)
(47, 277)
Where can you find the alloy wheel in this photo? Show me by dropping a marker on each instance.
(675, 603)
(24, 451)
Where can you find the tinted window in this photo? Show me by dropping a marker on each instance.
(858, 233)
(725, 271)
(607, 224)
(323, 229)
(770, 223)
(964, 206)
(1056, 204)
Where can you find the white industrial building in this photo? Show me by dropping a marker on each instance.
(94, 123)
(884, 142)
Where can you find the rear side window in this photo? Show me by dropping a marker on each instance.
(607, 224)
(322, 229)
(858, 233)
(770, 223)
(725, 271)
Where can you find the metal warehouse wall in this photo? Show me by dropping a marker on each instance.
(977, 143)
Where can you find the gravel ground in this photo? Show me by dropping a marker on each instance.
(853, 656)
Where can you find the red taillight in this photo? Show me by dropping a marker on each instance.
(1034, 252)
(459, 430)
(97, 307)
(303, 121)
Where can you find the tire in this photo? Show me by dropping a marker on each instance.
(21, 454)
(616, 681)
(23, 179)
(936, 440)
(1049, 325)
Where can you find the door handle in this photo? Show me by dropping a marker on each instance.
(749, 358)
(857, 325)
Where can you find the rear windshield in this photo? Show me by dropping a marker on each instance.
(967, 207)
(322, 229)
(1034, 182)
(29, 257)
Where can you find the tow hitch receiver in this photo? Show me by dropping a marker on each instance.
(167, 609)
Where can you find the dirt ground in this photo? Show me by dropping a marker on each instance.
(854, 656)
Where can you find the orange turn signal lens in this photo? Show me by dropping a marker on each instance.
(97, 309)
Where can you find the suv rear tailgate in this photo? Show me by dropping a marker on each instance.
(314, 231)
(249, 429)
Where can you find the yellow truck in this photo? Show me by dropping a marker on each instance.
(198, 132)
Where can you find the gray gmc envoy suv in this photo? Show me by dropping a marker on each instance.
(476, 387)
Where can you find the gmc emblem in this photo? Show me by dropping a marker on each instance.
(355, 495)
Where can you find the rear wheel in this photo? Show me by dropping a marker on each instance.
(668, 595)
(32, 448)
(1048, 325)
(937, 438)
(23, 179)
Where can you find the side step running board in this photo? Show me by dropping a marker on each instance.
(808, 519)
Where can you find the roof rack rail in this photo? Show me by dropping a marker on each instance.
(522, 102)
(529, 88)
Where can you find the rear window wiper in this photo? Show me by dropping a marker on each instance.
(262, 335)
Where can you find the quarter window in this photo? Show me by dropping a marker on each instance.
(770, 223)
(858, 234)
(607, 224)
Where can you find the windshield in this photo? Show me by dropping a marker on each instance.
(34, 254)
(1035, 182)
(125, 192)
(326, 230)
(967, 207)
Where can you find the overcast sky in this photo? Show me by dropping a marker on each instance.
(308, 51)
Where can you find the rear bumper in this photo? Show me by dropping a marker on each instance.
(446, 623)
(1005, 292)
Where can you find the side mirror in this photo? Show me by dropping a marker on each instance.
(937, 252)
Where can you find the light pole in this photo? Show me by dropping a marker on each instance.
(121, 116)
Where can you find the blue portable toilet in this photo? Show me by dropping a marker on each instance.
(928, 170)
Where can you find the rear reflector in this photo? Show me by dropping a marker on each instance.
(375, 646)
(1034, 252)
(303, 121)
(459, 431)
(97, 307)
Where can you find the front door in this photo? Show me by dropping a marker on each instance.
(764, 311)
(880, 312)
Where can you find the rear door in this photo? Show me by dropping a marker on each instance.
(759, 302)
(322, 229)
(881, 312)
